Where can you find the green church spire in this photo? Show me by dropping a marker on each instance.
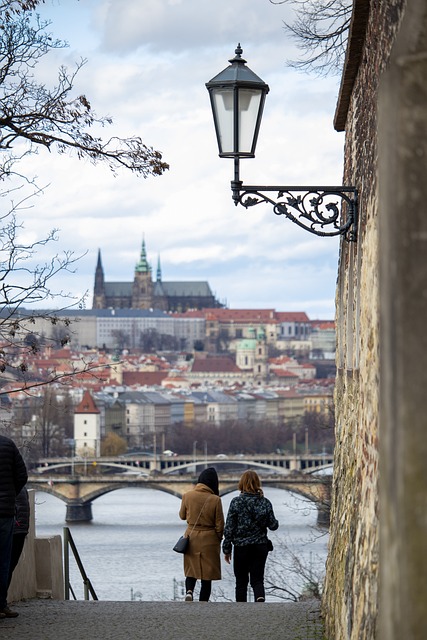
(143, 266)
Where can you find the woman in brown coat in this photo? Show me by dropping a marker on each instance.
(202, 508)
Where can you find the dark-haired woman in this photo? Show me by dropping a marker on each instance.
(249, 516)
(202, 508)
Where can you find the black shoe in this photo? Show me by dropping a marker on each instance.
(260, 599)
(8, 613)
(189, 596)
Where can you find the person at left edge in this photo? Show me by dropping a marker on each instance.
(21, 528)
(202, 507)
(13, 477)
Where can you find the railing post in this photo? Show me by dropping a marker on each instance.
(66, 564)
(87, 585)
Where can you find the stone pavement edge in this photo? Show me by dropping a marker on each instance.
(80, 620)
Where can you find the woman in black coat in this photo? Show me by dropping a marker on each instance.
(249, 516)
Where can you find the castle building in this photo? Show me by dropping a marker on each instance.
(146, 293)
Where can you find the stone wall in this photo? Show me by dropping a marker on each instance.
(403, 345)
(350, 601)
(39, 573)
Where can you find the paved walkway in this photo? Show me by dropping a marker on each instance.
(103, 620)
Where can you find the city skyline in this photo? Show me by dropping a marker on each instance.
(147, 67)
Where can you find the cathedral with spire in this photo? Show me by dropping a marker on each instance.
(146, 293)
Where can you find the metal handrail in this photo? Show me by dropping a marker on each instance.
(88, 588)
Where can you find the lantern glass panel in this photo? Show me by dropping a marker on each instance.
(222, 102)
(249, 106)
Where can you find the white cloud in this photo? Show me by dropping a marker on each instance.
(148, 64)
(174, 26)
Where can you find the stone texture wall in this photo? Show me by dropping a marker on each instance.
(403, 345)
(350, 601)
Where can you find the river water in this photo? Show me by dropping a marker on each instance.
(127, 548)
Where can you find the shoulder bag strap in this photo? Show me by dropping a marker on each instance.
(198, 517)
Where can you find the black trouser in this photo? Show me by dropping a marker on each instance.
(249, 562)
(17, 546)
(205, 589)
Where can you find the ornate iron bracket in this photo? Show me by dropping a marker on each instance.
(324, 211)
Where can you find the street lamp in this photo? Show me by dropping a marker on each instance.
(237, 98)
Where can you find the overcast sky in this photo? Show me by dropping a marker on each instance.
(148, 62)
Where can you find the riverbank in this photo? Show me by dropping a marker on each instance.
(74, 620)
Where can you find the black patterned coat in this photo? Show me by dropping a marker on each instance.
(248, 518)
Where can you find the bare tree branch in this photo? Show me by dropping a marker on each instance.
(320, 31)
(50, 117)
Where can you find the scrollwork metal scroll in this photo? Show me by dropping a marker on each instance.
(323, 211)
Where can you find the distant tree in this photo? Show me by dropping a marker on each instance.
(321, 431)
(289, 577)
(168, 342)
(50, 415)
(150, 340)
(113, 445)
(231, 437)
(320, 31)
(121, 338)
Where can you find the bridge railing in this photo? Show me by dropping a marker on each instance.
(166, 464)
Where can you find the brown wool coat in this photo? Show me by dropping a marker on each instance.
(202, 560)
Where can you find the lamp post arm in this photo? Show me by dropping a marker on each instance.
(323, 211)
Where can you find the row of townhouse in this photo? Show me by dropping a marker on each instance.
(143, 418)
(218, 329)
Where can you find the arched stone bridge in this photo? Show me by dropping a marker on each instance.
(78, 492)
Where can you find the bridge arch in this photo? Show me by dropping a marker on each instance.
(79, 493)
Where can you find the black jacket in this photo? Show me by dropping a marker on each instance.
(22, 513)
(248, 518)
(13, 476)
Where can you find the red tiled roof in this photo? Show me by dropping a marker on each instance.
(242, 315)
(323, 324)
(292, 316)
(143, 378)
(280, 360)
(287, 393)
(87, 405)
(218, 364)
(283, 373)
